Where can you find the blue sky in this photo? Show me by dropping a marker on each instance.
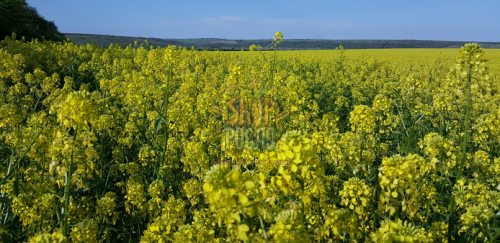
(298, 19)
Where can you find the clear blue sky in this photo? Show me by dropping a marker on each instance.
(298, 19)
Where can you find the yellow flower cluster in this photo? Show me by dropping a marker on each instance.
(383, 108)
(362, 119)
(85, 231)
(227, 192)
(135, 194)
(55, 237)
(192, 234)
(439, 151)
(106, 208)
(342, 222)
(401, 179)
(480, 201)
(193, 191)
(352, 152)
(356, 195)
(399, 232)
(288, 228)
(163, 227)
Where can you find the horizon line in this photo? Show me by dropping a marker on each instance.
(271, 38)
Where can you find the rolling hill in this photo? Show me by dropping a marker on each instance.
(288, 44)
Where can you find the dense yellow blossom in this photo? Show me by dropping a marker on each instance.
(132, 144)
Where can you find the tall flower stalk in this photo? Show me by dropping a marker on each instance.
(470, 60)
(67, 189)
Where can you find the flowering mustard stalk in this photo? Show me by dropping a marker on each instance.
(467, 115)
(469, 58)
(67, 189)
(170, 54)
(165, 144)
(277, 39)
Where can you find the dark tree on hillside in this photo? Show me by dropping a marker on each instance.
(16, 16)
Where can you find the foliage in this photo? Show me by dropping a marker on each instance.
(18, 17)
(118, 144)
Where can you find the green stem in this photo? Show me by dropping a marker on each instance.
(464, 149)
(263, 228)
(466, 127)
(272, 69)
(410, 123)
(450, 216)
(361, 145)
(67, 190)
(303, 208)
(166, 123)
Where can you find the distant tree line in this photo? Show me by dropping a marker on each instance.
(16, 16)
(292, 44)
(332, 44)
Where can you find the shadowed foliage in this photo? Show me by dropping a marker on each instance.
(16, 16)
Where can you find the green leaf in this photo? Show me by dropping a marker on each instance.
(261, 93)
(495, 235)
(4, 200)
(16, 188)
(158, 122)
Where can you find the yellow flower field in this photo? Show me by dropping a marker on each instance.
(122, 144)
